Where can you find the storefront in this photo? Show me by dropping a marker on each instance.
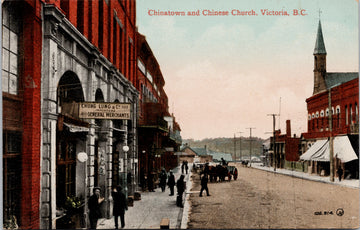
(82, 152)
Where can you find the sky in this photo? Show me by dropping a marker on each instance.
(226, 74)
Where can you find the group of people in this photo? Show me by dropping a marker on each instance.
(185, 167)
(180, 185)
(120, 202)
(120, 205)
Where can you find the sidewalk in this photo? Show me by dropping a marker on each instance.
(353, 183)
(153, 206)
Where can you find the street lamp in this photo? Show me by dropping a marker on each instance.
(125, 149)
(82, 157)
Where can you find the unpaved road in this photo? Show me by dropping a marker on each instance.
(260, 199)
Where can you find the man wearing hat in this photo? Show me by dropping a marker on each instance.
(120, 205)
(171, 183)
(94, 207)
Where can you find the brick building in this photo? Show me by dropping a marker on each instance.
(286, 149)
(21, 82)
(158, 131)
(56, 55)
(332, 112)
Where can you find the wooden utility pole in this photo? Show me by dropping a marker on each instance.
(274, 155)
(240, 144)
(331, 140)
(251, 128)
(234, 147)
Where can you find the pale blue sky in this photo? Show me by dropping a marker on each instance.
(226, 73)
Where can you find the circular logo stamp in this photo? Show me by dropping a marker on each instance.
(340, 212)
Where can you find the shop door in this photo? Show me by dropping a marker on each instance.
(65, 170)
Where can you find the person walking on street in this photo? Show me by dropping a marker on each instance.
(171, 183)
(183, 167)
(163, 178)
(340, 172)
(180, 185)
(186, 167)
(120, 205)
(94, 207)
(151, 182)
(204, 182)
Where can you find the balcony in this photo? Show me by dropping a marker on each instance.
(153, 116)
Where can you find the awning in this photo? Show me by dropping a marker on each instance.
(76, 128)
(343, 149)
(320, 150)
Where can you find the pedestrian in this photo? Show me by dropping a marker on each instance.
(151, 182)
(163, 178)
(171, 183)
(183, 167)
(204, 182)
(186, 167)
(235, 173)
(120, 205)
(180, 185)
(206, 169)
(340, 172)
(94, 207)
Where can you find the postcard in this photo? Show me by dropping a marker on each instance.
(138, 114)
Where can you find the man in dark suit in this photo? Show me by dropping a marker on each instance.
(120, 205)
(94, 207)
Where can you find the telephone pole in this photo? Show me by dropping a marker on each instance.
(331, 139)
(234, 147)
(274, 155)
(251, 128)
(240, 144)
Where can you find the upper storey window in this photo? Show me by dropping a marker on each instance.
(10, 51)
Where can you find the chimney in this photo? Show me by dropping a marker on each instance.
(288, 128)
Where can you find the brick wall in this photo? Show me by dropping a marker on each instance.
(32, 40)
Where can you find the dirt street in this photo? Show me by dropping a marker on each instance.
(260, 199)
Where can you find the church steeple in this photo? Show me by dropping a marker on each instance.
(319, 62)
(319, 45)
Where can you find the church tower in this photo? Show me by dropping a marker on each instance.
(319, 62)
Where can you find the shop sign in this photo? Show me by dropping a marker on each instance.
(103, 110)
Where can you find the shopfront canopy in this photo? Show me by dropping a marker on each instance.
(320, 150)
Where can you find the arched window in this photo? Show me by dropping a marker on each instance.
(351, 114)
(356, 113)
(346, 115)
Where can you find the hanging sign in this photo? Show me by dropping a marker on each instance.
(103, 110)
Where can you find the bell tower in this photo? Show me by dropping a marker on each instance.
(319, 62)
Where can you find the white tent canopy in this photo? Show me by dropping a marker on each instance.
(320, 150)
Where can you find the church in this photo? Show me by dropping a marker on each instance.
(333, 121)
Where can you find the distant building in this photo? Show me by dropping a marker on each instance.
(192, 153)
(286, 149)
(336, 97)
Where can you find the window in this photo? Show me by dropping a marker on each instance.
(351, 114)
(357, 113)
(114, 41)
(346, 115)
(10, 51)
(12, 174)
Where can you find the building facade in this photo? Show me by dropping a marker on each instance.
(284, 150)
(21, 94)
(158, 131)
(333, 113)
(58, 54)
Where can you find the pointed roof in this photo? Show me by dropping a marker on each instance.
(319, 45)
